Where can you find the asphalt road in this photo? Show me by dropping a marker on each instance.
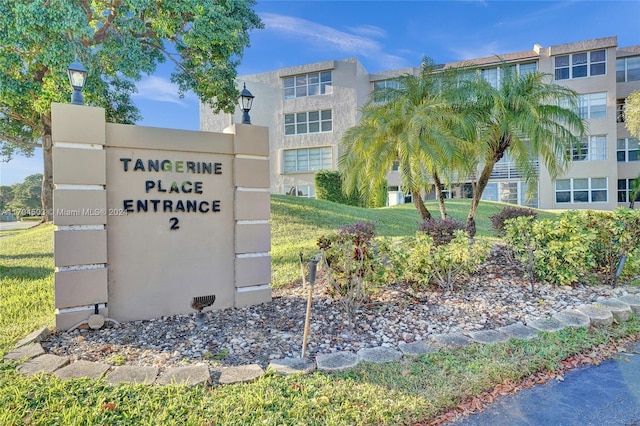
(604, 395)
(10, 226)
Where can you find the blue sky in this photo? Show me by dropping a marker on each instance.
(384, 35)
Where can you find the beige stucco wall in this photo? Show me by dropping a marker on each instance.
(139, 243)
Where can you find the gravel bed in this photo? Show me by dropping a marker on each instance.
(496, 296)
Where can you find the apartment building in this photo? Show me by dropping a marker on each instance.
(309, 107)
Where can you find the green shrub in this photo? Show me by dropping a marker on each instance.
(509, 212)
(420, 261)
(617, 234)
(328, 184)
(352, 269)
(555, 252)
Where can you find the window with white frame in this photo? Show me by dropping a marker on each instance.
(591, 148)
(578, 65)
(311, 84)
(627, 149)
(624, 190)
(525, 68)
(628, 69)
(307, 191)
(492, 75)
(306, 159)
(592, 105)
(581, 190)
(308, 122)
(391, 82)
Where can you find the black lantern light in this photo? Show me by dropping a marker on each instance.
(246, 100)
(77, 78)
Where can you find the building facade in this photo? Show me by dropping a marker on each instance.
(309, 107)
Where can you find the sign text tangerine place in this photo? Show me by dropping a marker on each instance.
(193, 203)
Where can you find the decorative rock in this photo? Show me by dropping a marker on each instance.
(191, 375)
(34, 337)
(573, 318)
(599, 317)
(288, 366)
(46, 363)
(337, 361)
(95, 321)
(81, 368)
(488, 337)
(417, 348)
(633, 300)
(549, 325)
(621, 311)
(240, 374)
(379, 355)
(519, 331)
(25, 352)
(132, 374)
(452, 339)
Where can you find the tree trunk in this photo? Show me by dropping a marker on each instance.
(478, 189)
(422, 209)
(47, 175)
(440, 196)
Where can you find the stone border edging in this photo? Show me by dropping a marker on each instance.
(602, 313)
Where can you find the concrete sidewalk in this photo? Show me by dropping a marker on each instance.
(608, 394)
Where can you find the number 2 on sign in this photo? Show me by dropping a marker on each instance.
(174, 224)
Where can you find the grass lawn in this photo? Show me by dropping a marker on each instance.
(409, 391)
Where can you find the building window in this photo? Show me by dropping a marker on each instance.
(624, 190)
(527, 68)
(493, 76)
(381, 84)
(592, 105)
(307, 159)
(308, 122)
(620, 110)
(627, 149)
(307, 191)
(581, 190)
(591, 148)
(312, 84)
(578, 65)
(628, 69)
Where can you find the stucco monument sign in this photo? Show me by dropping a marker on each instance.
(151, 222)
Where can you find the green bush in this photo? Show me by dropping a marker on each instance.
(557, 252)
(420, 261)
(617, 234)
(328, 185)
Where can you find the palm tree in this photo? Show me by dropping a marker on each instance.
(408, 125)
(525, 117)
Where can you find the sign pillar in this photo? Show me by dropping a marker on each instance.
(150, 220)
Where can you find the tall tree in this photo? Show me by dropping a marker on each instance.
(117, 41)
(632, 113)
(526, 117)
(408, 124)
(26, 196)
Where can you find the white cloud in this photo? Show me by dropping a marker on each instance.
(160, 89)
(487, 50)
(356, 43)
(369, 31)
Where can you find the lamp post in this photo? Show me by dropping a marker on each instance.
(77, 77)
(246, 100)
